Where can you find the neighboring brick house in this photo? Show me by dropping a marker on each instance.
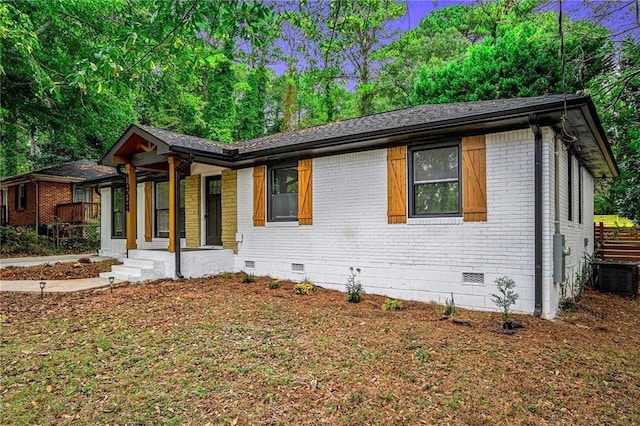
(52, 194)
(427, 201)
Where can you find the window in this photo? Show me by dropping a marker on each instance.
(570, 185)
(162, 209)
(283, 193)
(118, 212)
(579, 193)
(82, 194)
(434, 178)
(21, 197)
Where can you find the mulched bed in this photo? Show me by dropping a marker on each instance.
(219, 351)
(57, 271)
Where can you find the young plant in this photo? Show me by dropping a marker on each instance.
(248, 278)
(274, 285)
(226, 275)
(505, 298)
(392, 305)
(305, 287)
(450, 307)
(354, 286)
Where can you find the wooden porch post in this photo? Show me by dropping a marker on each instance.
(131, 207)
(172, 204)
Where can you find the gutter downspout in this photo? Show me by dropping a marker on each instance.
(177, 216)
(537, 133)
(123, 173)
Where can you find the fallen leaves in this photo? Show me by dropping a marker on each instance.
(57, 271)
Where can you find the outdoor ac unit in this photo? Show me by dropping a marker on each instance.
(615, 277)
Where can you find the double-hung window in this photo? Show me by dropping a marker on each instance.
(21, 197)
(118, 212)
(434, 177)
(282, 193)
(162, 209)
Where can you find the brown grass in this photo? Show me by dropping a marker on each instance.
(219, 351)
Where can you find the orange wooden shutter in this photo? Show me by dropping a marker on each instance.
(305, 210)
(474, 178)
(148, 212)
(258, 195)
(397, 184)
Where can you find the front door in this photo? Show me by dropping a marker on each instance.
(213, 214)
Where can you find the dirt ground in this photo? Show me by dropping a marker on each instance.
(57, 271)
(219, 351)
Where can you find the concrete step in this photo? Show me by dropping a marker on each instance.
(116, 276)
(139, 263)
(131, 271)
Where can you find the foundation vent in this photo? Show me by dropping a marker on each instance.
(473, 278)
(297, 267)
(249, 264)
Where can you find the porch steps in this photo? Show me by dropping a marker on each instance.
(136, 270)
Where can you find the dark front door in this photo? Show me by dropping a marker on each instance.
(214, 211)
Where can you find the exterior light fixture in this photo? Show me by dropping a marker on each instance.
(42, 285)
(111, 280)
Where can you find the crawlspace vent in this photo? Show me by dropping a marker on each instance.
(249, 264)
(473, 278)
(297, 267)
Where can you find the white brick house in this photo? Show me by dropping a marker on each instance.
(426, 201)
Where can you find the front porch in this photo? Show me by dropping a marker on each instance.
(169, 214)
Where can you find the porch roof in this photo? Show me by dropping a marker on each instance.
(73, 171)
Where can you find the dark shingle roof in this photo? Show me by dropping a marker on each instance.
(79, 170)
(185, 141)
(422, 115)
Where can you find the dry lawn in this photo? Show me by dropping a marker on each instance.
(217, 351)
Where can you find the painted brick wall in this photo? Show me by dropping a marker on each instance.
(192, 210)
(229, 209)
(421, 260)
(52, 194)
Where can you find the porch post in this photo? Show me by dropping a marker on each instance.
(172, 204)
(131, 207)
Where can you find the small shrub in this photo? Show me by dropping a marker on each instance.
(274, 285)
(226, 275)
(392, 305)
(450, 307)
(305, 287)
(248, 278)
(24, 240)
(354, 286)
(505, 298)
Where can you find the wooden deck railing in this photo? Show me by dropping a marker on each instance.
(79, 213)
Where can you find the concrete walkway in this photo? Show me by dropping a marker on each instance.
(52, 286)
(41, 260)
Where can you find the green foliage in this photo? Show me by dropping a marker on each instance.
(248, 278)
(392, 305)
(24, 240)
(354, 286)
(226, 275)
(305, 287)
(274, 284)
(505, 298)
(450, 306)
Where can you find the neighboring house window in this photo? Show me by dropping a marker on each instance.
(579, 193)
(21, 197)
(82, 194)
(570, 185)
(162, 209)
(282, 199)
(434, 180)
(118, 212)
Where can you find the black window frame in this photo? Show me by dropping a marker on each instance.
(270, 204)
(123, 212)
(181, 209)
(20, 197)
(580, 195)
(410, 178)
(570, 186)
